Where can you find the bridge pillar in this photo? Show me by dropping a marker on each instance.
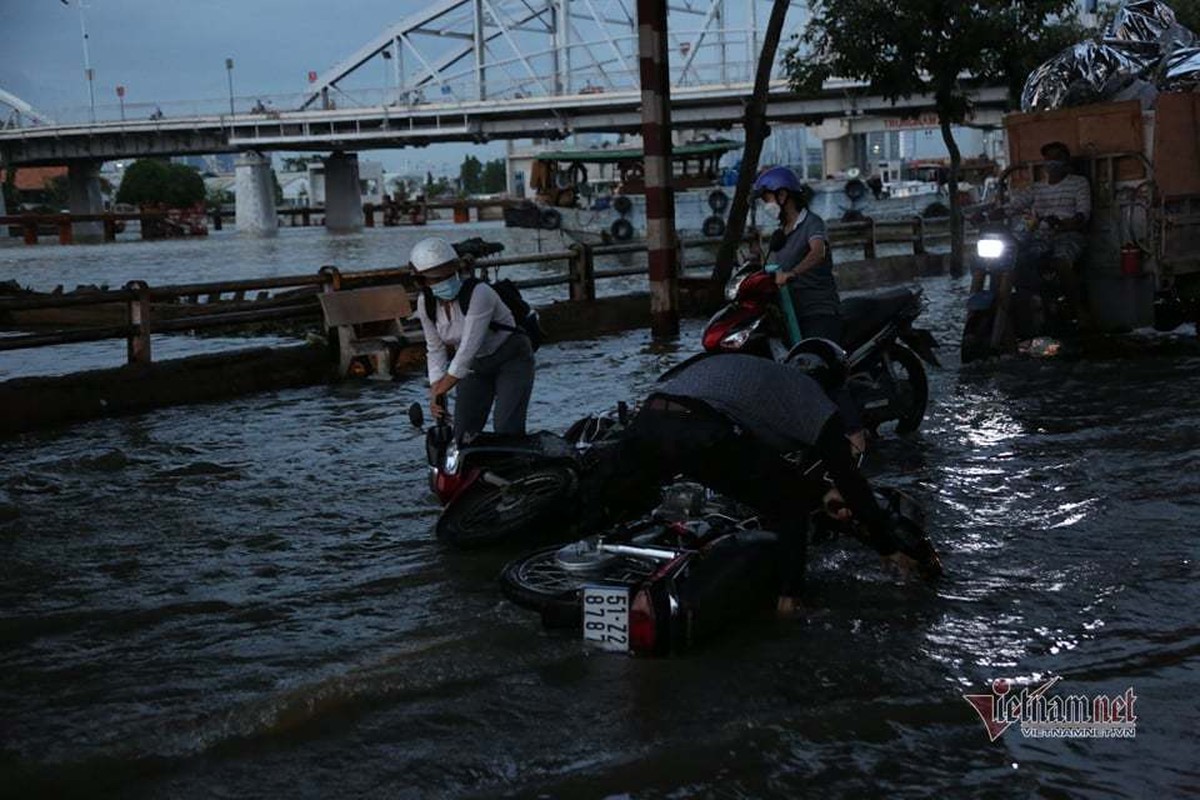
(255, 192)
(84, 197)
(343, 196)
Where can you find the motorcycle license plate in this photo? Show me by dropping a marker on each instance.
(606, 617)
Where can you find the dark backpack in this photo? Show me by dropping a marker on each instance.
(526, 318)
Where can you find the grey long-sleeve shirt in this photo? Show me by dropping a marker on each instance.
(779, 404)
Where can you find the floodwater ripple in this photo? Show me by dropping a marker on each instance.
(245, 598)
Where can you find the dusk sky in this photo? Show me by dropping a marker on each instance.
(171, 52)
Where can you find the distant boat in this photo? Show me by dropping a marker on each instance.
(595, 208)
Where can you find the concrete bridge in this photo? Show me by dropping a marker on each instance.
(494, 70)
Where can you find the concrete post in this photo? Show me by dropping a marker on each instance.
(343, 196)
(83, 187)
(660, 196)
(138, 344)
(255, 192)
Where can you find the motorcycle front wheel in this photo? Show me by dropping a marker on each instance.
(911, 385)
(484, 514)
(542, 582)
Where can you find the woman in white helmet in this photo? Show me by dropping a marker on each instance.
(492, 358)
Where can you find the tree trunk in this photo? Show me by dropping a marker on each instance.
(755, 128)
(956, 223)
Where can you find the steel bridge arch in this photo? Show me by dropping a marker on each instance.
(475, 50)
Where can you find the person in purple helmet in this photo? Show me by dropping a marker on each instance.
(801, 249)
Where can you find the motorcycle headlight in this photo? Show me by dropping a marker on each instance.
(990, 247)
(452, 458)
(737, 340)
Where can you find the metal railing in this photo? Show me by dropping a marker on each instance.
(152, 310)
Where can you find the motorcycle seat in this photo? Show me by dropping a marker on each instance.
(862, 317)
(541, 442)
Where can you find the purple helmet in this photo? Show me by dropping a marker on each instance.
(777, 178)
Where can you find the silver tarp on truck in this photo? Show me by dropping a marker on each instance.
(1144, 50)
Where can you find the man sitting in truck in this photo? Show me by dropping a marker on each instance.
(1063, 205)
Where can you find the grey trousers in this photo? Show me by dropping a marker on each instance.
(504, 377)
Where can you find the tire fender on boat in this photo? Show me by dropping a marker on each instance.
(621, 230)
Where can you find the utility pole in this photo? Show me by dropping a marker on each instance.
(229, 72)
(661, 249)
(87, 62)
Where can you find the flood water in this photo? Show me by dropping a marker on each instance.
(245, 600)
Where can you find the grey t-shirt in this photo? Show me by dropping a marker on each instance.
(779, 404)
(814, 292)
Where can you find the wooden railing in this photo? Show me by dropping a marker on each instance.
(142, 301)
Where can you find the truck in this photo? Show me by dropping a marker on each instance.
(1141, 266)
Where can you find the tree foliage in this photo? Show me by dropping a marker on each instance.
(476, 177)
(1188, 13)
(935, 47)
(495, 176)
(150, 181)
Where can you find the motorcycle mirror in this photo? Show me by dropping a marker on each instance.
(416, 415)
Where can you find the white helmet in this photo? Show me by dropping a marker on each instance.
(432, 252)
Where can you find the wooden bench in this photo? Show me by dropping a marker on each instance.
(369, 323)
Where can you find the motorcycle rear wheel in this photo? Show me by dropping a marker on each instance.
(485, 514)
(912, 388)
(538, 581)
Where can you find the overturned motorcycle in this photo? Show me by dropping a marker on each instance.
(696, 565)
(886, 377)
(493, 487)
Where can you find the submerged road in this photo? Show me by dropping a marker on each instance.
(245, 599)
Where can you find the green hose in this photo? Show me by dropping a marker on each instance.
(789, 310)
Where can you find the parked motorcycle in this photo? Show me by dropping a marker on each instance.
(696, 565)
(886, 375)
(493, 487)
(1037, 306)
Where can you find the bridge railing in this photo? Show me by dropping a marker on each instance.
(145, 310)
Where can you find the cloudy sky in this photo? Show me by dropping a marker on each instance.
(171, 52)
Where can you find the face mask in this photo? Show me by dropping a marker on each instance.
(771, 211)
(447, 289)
(1057, 167)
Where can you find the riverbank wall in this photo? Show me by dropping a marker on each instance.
(28, 404)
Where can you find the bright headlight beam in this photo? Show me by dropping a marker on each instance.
(990, 248)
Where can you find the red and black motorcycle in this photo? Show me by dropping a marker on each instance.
(697, 565)
(495, 487)
(886, 376)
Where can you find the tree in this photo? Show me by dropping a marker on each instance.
(470, 175)
(184, 187)
(150, 181)
(934, 47)
(299, 163)
(57, 192)
(1188, 13)
(495, 176)
(755, 126)
(12, 201)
